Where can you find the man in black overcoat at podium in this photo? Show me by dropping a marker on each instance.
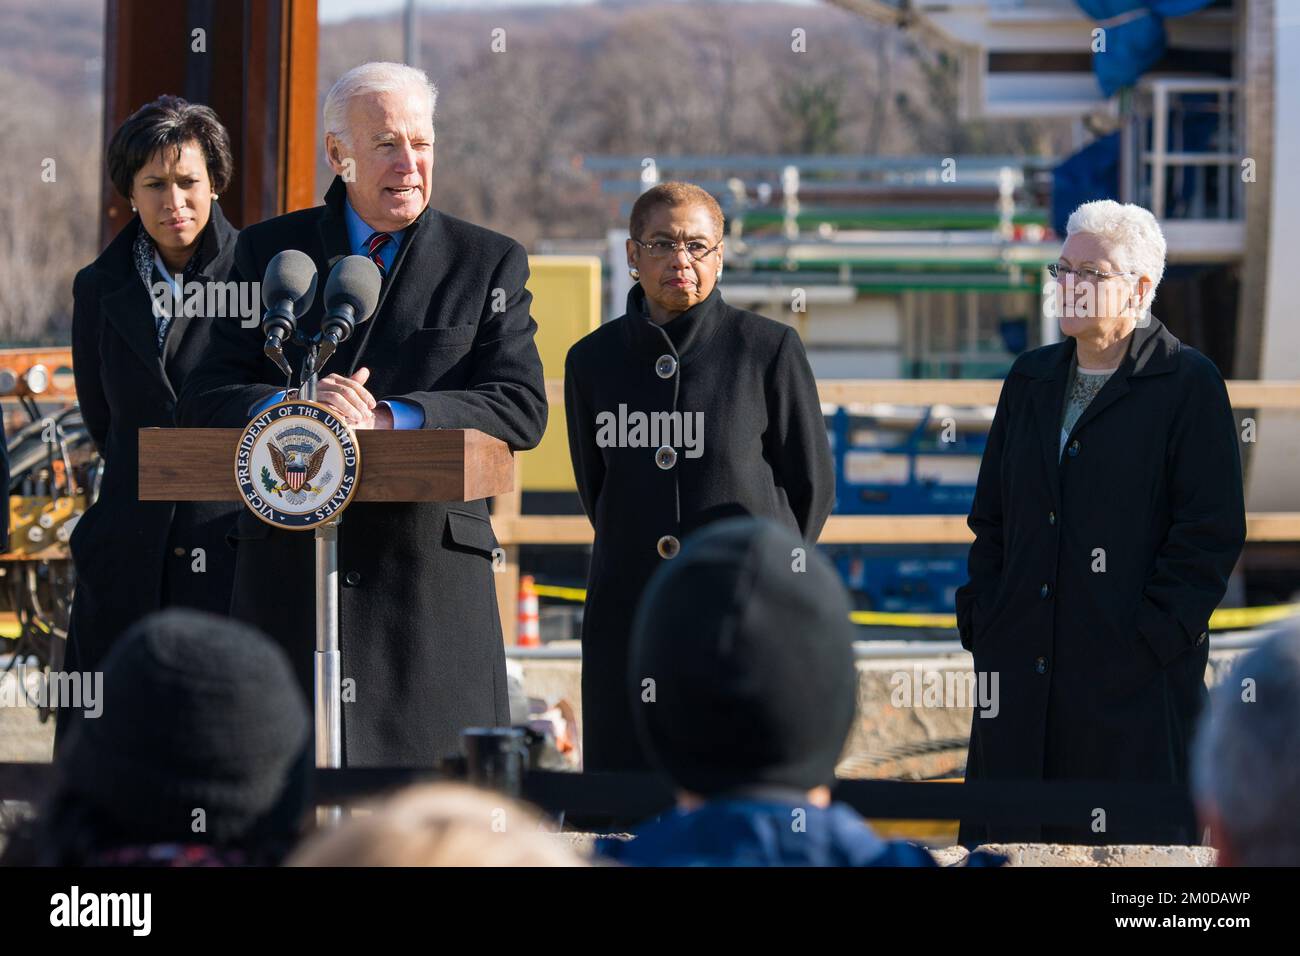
(450, 346)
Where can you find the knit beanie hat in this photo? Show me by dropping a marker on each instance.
(199, 713)
(746, 639)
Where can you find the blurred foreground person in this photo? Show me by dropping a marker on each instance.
(198, 757)
(742, 658)
(1246, 769)
(442, 824)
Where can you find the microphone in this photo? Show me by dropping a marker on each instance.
(288, 291)
(351, 295)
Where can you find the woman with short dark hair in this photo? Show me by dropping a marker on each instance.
(132, 349)
(682, 412)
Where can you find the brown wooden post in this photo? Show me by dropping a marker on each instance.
(254, 63)
(506, 509)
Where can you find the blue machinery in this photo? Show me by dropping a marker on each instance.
(904, 460)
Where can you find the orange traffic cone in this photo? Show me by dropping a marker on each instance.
(529, 633)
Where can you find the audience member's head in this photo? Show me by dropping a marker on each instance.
(746, 639)
(441, 824)
(1247, 757)
(201, 753)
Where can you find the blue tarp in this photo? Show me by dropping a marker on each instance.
(1091, 173)
(1135, 36)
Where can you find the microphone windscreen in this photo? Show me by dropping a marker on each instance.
(290, 275)
(354, 281)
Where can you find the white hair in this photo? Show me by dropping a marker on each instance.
(372, 78)
(1131, 234)
(1246, 756)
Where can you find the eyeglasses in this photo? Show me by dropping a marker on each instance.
(662, 248)
(1056, 271)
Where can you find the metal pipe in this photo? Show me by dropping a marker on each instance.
(329, 723)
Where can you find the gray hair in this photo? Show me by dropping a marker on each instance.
(1246, 760)
(1131, 233)
(372, 78)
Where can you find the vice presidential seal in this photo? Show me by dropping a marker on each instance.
(297, 465)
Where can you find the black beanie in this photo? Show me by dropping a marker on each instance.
(752, 662)
(199, 712)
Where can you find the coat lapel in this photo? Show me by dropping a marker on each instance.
(130, 311)
(333, 228)
(1116, 387)
(1152, 351)
(216, 250)
(1048, 397)
(335, 245)
(421, 246)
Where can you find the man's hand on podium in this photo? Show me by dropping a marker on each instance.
(349, 399)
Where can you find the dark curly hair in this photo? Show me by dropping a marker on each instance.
(169, 122)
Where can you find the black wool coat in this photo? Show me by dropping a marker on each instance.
(420, 636)
(1092, 579)
(765, 453)
(133, 557)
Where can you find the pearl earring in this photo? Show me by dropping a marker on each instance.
(635, 274)
(215, 197)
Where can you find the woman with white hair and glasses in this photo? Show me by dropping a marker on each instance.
(1108, 516)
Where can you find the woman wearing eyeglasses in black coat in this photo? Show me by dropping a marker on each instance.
(750, 440)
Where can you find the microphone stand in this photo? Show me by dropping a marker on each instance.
(328, 668)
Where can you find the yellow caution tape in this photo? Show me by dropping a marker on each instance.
(564, 594)
(1232, 618)
(889, 619)
(1224, 619)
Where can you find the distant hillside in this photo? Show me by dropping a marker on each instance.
(656, 79)
(643, 79)
(51, 82)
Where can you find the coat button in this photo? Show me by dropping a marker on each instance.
(179, 552)
(665, 366)
(666, 457)
(1040, 665)
(352, 578)
(1073, 450)
(668, 546)
(1045, 591)
(1051, 517)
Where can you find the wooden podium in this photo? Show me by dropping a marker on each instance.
(198, 464)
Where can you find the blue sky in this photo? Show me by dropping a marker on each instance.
(333, 10)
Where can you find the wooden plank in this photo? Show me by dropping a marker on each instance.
(1273, 526)
(854, 529)
(920, 391)
(197, 464)
(299, 42)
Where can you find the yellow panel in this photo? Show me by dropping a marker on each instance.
(566, 305)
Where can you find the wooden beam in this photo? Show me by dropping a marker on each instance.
(853, 529)
(921, 391)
